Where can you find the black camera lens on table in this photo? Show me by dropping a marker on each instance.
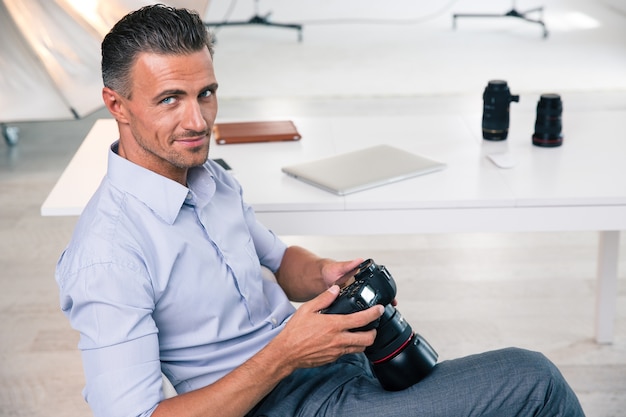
(548, 124)
(496, 103)
(399, 357)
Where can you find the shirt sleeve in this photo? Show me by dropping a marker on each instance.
(111, 305)
(269, 248)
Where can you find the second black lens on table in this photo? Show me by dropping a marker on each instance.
(548, 124)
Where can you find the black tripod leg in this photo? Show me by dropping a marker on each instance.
(259, 20)
(537, 21)
(511, 13)
(455, 15)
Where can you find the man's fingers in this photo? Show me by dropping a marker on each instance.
(365, 317)
(349, 268)
(359, 319)
(325, 299)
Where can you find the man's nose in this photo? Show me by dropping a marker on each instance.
(193, 118)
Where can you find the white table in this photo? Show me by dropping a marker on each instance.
(580, 186)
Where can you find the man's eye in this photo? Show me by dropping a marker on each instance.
(206, 93)
(168, 100)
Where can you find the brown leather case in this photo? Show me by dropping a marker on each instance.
(247, 132)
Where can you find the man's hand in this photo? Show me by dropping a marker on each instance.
(312, 339)
(304, 275)
(340, 272)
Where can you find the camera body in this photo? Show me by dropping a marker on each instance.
(372, 285)
(399, 357)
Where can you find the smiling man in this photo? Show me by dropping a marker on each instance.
(165, 119)
(163, 274)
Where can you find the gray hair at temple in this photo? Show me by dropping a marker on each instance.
(155, 29)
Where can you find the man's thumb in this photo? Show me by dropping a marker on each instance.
(326, 298)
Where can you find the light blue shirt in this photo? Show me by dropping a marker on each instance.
(159, 276)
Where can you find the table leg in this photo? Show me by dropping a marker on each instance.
(606, 292)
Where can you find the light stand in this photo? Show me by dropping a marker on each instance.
(259, 20)
(511, 13)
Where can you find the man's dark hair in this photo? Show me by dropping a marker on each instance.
(154, 29)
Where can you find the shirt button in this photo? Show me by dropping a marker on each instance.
(274, 321)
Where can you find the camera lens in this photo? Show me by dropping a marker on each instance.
(496, 100)
(412, 364)
(548, 124)
(392, 335)
(399, 357)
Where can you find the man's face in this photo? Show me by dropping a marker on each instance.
(169, 113)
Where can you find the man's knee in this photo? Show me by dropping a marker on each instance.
(533, 366)
(545, 383)
(537, 362)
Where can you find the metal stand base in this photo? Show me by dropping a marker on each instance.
(260, 20)
(511, 13)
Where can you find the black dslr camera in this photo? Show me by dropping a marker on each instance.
(399, 357)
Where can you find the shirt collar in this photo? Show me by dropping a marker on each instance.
(202, 185)
(162, 195)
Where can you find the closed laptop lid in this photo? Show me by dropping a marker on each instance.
(362, 169)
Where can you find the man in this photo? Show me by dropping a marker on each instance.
(163, 273)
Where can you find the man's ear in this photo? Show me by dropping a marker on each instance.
(114, 103)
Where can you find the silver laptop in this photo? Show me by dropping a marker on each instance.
(362, 169)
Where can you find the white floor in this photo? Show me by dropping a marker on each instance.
(464, 292)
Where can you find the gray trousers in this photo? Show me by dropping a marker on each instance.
(504, 383)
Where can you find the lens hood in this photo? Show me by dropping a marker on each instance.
(408, 367)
